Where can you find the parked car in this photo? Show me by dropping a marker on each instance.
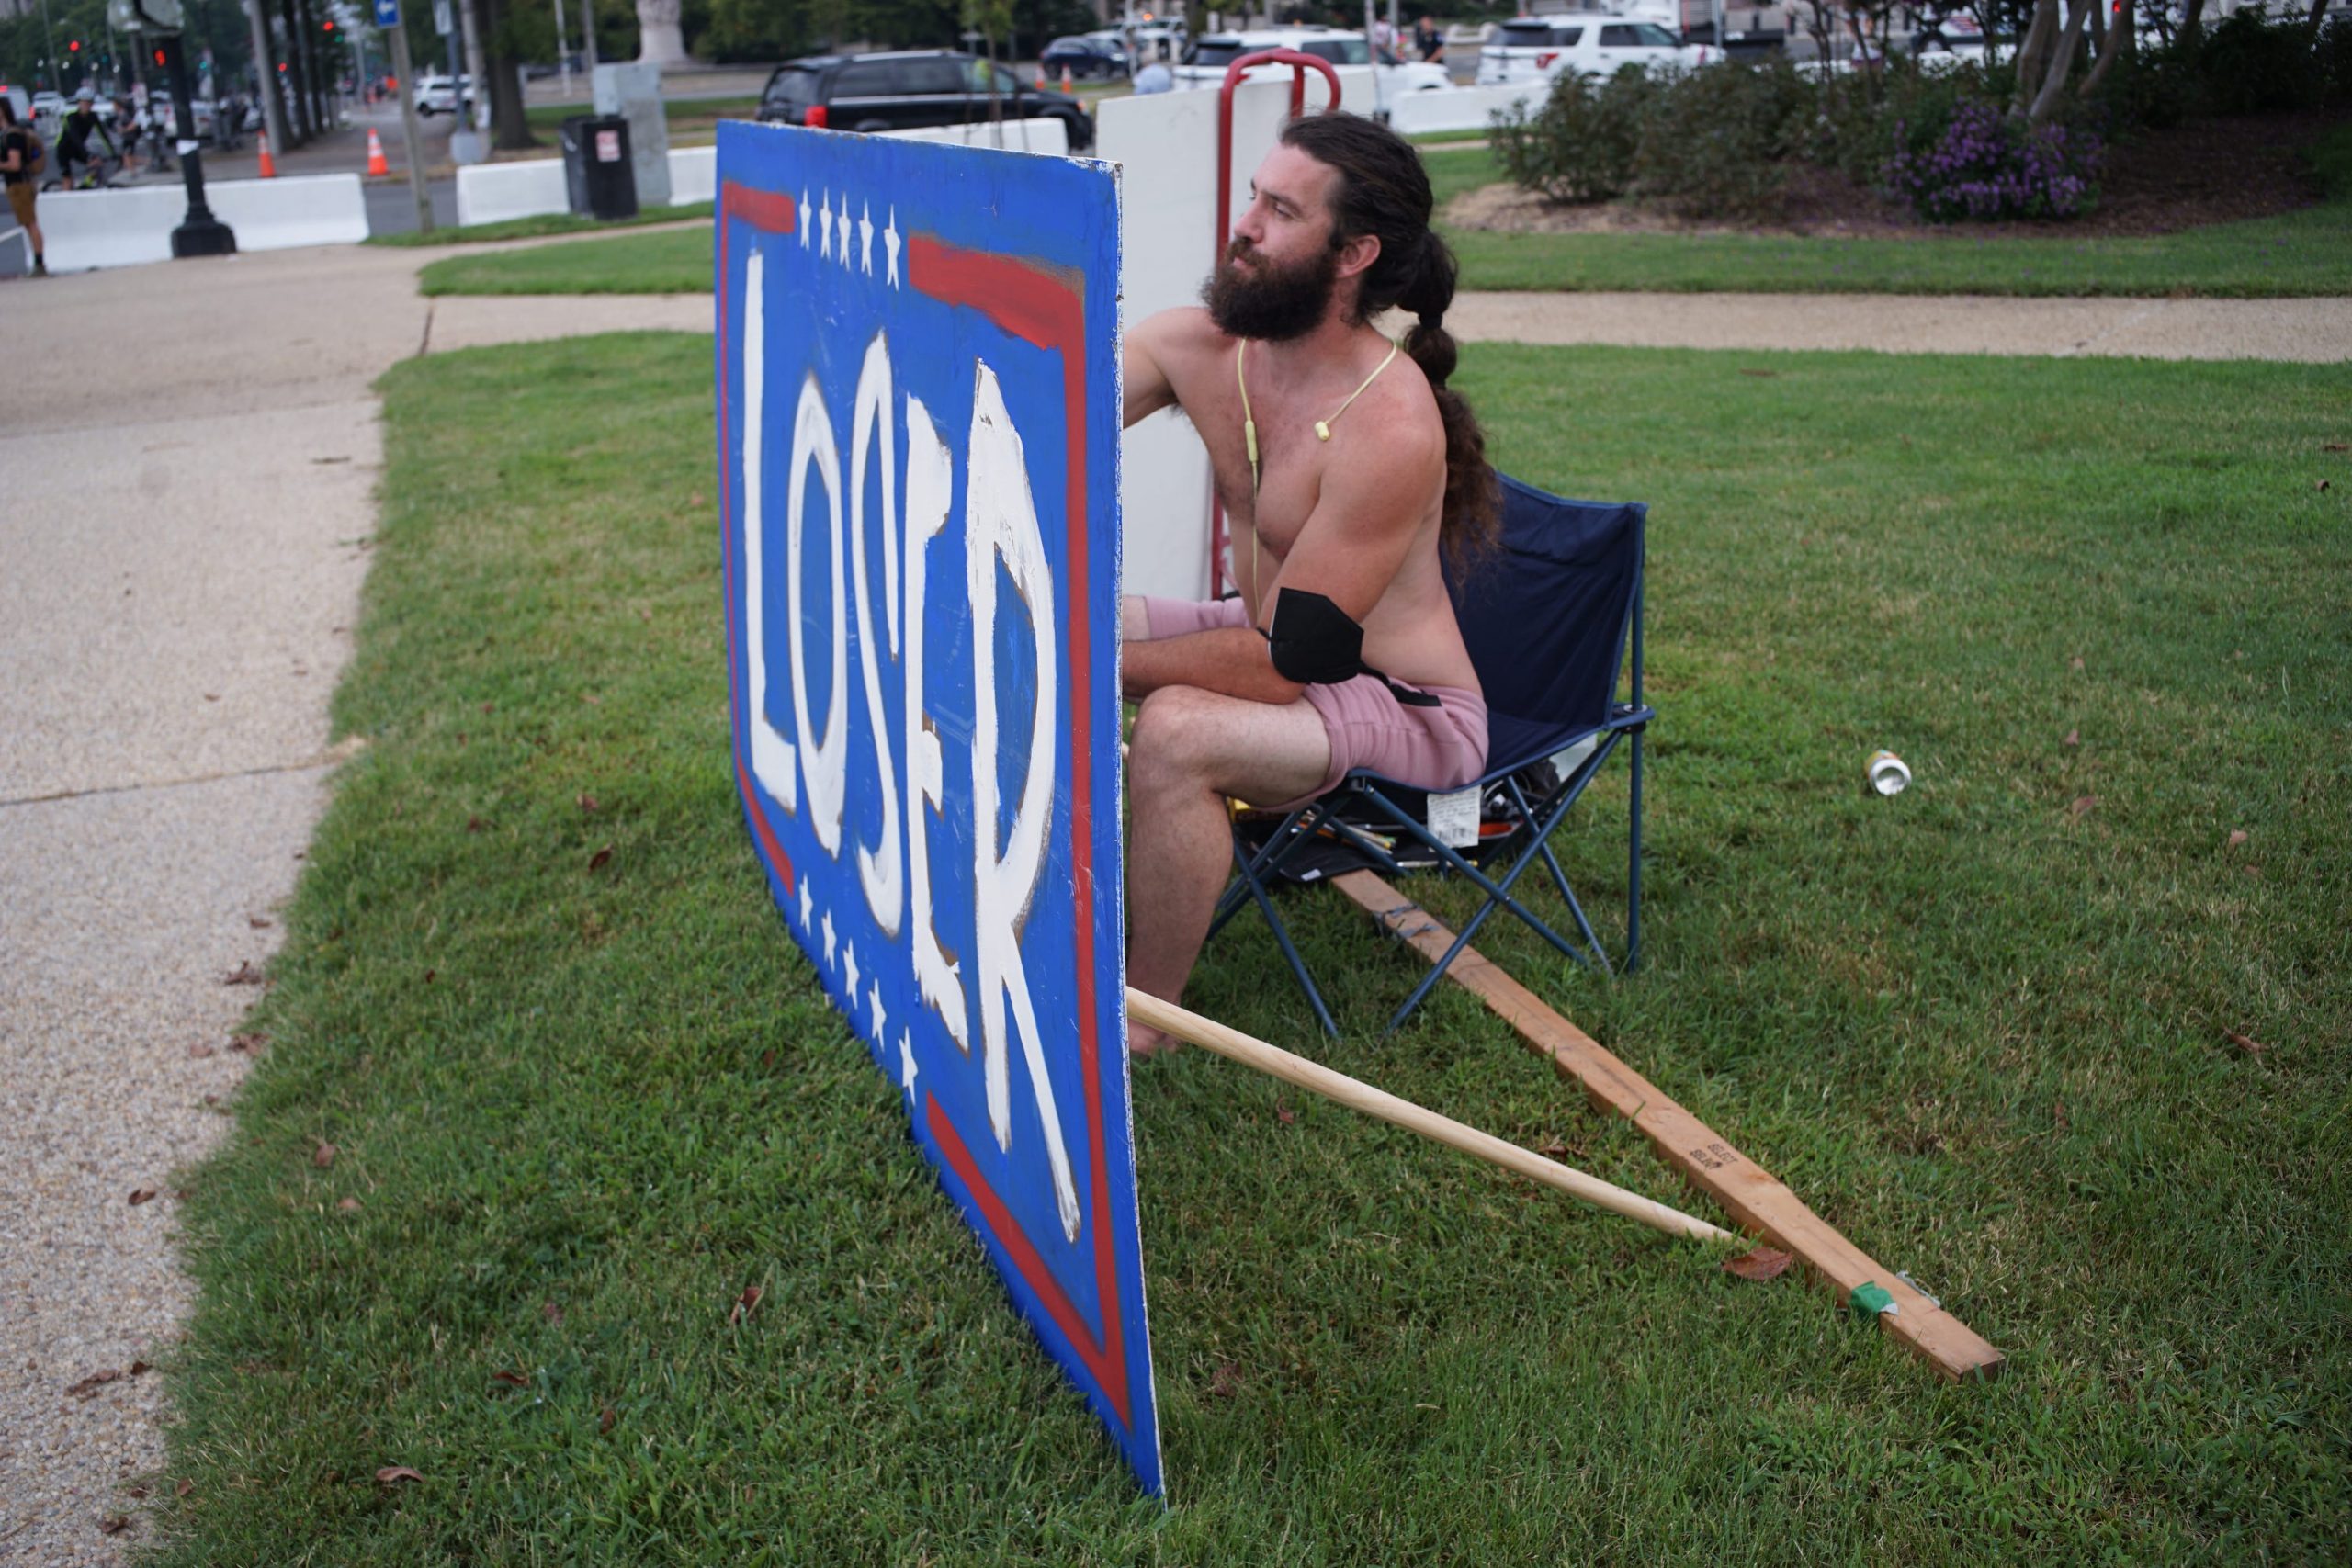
(1392, 77)
(1085, 56)
(1591, 43)
(908, 89)
(438, 95)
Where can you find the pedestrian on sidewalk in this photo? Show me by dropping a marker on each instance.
(20, 168)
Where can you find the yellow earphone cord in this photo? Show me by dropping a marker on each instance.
(1249, 436)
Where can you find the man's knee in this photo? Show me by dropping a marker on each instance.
(1176, 733)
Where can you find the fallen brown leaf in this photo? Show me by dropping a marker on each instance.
(139, 1366)
(517, 1379)
(184, 1488)
(349, 1205)
(744, 1305)
(592, 699)
(429, 974)
(1762, 1263)
(324, 1155)
(693, 498)
(604, 1418)
(2251, 1047)
(475, 824)
(141, 1195)
(135, 1491)
(2334, 447)
(88, 1387)
(2082, 803)
(1556, 1150)
(391, 1473)
(587, 801)
(2076, 662)
(596, 862)
(1226, 1382)
(2322, 484)
(1285, 1115)
(2237, 836)
(113, 1523)
(202, 1049)
(251, 1044)
(2058, 1114)
(2074, 737)
(243, 975)
(551, 1312)
(257, 922)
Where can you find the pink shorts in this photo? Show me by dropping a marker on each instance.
(1430, 748)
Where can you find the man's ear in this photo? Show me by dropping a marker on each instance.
(1357, 254)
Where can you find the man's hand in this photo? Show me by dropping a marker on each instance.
(1231, 659)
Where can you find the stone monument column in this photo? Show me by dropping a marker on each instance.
(659, 40)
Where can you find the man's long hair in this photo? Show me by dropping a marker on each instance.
(1384, 191)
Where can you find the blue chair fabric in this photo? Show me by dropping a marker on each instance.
(1553, 620)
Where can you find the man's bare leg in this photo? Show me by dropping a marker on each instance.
(1191, 750)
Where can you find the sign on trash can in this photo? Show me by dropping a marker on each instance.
(919, 421)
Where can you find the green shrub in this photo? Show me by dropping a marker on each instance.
(1717, 141)
(2252, 65)
(1581, 145)
(2333, 53)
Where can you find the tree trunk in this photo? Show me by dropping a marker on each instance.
(509, 128)
(2319, 17)
(2061, 64)
(2193, 21)
(2033, 54)
(2098, 29)
(297, 83)
(2120, 42)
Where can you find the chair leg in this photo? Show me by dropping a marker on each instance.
(1634, 868)
(1290, 953)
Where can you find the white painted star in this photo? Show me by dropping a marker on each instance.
(825, 216)
(881, 1023)
(804, 904)
(866, 241)
(849, 968)
(843, 224)
(827, 925)
(804, 218)
(907, 1064)
(890, 243)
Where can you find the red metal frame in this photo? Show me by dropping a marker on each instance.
(1300, 64)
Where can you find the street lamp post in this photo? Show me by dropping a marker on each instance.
(199, 233)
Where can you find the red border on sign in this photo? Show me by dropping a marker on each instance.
(1045, 306)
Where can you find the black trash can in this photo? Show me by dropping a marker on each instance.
(596, 169)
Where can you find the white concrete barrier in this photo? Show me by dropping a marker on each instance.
(1047, 136)
(694, 174)
(1462, 108)
(125, 228)
(1166, 145)
(493, 193)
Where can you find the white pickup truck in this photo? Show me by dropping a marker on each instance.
(1591, 43)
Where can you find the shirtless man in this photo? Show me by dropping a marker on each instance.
(1344, 465)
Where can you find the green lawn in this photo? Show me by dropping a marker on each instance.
(580, 1102)
(540, 224)
(690, 120)
(2307, 253)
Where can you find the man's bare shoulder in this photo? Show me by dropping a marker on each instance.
(1181, 335)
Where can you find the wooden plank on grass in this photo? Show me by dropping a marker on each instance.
(1758, 1203)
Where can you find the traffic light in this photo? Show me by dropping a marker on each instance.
(159, 58)
(73, 46)
(329, 25)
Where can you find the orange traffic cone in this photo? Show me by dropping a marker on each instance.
(377, 163)
(268, 164)
(1068, 85)
(1041, 77)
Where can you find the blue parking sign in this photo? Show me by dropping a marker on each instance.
(919, 421)
(388, 13)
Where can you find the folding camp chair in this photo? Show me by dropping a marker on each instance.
(1548, 617)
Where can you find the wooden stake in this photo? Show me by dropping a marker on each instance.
(1749, 1194)
(1251, 1051)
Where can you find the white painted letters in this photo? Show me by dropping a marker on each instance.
(879, 869)
(774, 763)
(827, 759)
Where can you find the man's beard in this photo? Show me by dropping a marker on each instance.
(1267, 302)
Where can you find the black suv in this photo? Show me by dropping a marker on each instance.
(902, 91)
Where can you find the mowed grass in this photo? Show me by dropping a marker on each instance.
(690, 121)
(2298, 253)
(581, 1101)
(538, 225)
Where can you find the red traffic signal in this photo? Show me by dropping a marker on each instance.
(329, 26)
(75, 46)
(159, 57)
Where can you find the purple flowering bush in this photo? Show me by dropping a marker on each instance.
(1981, 164)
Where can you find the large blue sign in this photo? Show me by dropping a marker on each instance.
(919, 414)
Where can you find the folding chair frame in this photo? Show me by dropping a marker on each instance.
(1627, 720)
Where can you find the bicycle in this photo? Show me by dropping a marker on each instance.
(101, 173)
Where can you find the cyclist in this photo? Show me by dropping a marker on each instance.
(17, 167)
(74, 135)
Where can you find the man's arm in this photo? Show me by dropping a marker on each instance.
(1148, 346)
(1371, 506)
